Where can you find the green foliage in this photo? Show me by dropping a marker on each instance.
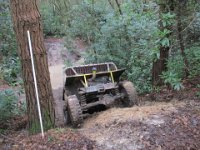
(10, 68)
(193, 56)
(175, 64)
(51, 23)
(8, 105)
(176, 67)
(55, 14)
(126, 39)
(7, 37)
(85, 22)
(167, 19)
(175, 72)
(131, 38)
(172, 79)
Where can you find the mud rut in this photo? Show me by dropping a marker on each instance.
(116, 128)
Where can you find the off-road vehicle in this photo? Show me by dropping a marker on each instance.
(95, 87)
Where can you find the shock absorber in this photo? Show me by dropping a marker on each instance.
(83, 100)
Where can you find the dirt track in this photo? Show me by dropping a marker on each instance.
(57, 55)
(121, 128)
(158, 126)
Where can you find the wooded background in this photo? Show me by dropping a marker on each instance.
(157, 41)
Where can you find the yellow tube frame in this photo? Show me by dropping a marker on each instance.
(85, 79)
(112, 78)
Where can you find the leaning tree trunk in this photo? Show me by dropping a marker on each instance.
(25, 16)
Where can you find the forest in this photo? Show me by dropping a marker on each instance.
(133, 34)
(156, 41)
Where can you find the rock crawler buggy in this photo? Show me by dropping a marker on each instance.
(92, 88)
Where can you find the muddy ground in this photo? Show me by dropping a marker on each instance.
(166, 120)
(173, 125)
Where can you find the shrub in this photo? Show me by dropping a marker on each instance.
(131, 39)
(173, 76)
(8, 44)
(8, 105)
(10, 68)
(11, 71)
(53, 24)
(126, 39)
(193, 56)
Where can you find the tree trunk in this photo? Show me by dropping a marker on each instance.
(160, 64)
(25, 16)
(180, 38)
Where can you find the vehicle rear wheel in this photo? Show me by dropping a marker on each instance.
(129, 90)
(65, 111)
(74, 110)
(66, 117)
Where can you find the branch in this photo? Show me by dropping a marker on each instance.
(189, 24)
(111, 4)
(191, 21)
(118, 5)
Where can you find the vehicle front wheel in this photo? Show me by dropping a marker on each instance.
(74, 110)
(131, 98)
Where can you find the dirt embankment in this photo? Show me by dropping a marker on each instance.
(154, 126)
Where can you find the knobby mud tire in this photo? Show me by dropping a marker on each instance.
(74, 110)
(65, 110)
(131, 97)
